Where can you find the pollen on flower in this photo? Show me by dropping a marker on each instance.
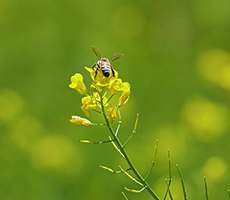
(79, 120)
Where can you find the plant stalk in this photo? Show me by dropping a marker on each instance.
(128, 160)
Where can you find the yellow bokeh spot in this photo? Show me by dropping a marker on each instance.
(173, 138)
(56, 153)
(128, 21)
(10, 104)
(208, 120)
(214, 65)
(170, 137)
(215, 169)
(25, 131)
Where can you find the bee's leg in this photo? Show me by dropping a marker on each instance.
(113, 72)
(96, 72)
(94, 65)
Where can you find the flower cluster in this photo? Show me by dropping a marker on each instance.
(101, 87)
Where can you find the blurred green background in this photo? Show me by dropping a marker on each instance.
(177, 60)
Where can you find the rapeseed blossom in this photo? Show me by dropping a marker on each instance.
(101, 87)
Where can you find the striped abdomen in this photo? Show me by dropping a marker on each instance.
(105, 67)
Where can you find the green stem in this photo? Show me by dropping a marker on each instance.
(206, 188)
(182, 182)
(228, 193)
(121, 148)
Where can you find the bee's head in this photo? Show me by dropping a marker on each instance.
(105, 59)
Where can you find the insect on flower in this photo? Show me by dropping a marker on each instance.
(104, 63)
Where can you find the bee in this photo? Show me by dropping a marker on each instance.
(104, 63)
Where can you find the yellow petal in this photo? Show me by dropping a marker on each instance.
(79, 120)
(123, 98)
(78, 84)
(85, 111)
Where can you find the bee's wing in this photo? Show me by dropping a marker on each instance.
(97, 52)
(116, 56)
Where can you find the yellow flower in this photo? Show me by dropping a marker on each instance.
(100, 78)
(112, 112)
(78, 84)
(88, 103)
(119, 86)
(124, 95)
(79, 120)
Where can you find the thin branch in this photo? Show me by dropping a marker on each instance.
(115, 146)
(182, 182)
(127, 174)
(153, 161)
(134, 131)
(135, 191)
(228, 193)
(170, 194)
(126, 198)
(109, 99)
(170, 175)
(92, 142)
(206, 188)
